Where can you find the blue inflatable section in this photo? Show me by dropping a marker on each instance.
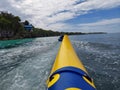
(71, 77)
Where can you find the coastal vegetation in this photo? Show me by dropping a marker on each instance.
(11, 27)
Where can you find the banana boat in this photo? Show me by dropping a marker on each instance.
(68, 72)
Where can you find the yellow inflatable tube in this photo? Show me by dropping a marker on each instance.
(67, 56)
(68, 72)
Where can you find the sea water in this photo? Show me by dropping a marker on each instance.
(26, 66)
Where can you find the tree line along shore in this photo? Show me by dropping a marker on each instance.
(11, 27)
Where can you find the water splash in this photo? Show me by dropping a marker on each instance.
(27, 67)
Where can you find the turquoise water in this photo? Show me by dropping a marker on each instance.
(13, 43)
(26, 65)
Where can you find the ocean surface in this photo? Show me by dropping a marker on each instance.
(26, 63)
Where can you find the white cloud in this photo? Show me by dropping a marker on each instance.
(102, 22)
(107, 25)
(97, 4)
(50, 14)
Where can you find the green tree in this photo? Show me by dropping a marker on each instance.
(26, 22)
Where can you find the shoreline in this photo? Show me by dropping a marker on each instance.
(16, 38)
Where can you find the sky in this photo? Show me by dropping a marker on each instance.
(67, 15)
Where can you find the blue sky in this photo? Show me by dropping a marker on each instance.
(96, 15)
(68, 15)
